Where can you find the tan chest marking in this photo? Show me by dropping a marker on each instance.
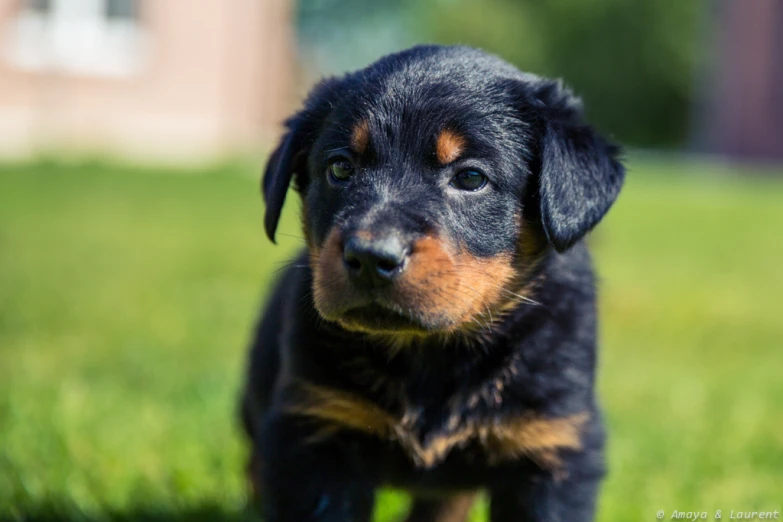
(503, 439)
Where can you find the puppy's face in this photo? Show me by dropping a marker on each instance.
(424, 186)
(414, 209)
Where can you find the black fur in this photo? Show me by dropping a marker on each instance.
(551, 179)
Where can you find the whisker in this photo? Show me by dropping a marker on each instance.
(290, 235)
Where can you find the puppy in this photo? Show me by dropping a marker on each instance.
(438, 334)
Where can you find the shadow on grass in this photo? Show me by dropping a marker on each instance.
(56, 513)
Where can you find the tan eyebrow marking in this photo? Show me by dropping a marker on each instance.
(449, 146)
(360, 136)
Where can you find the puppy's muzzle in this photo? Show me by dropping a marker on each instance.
(374, 262)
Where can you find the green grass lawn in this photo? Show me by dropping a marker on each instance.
(127, 298)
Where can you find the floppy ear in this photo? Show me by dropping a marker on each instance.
(277, 177)
(580, 173)
(290, 157)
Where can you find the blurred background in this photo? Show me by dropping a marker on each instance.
(133, 262)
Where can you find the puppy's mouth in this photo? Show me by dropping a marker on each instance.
(376, 318)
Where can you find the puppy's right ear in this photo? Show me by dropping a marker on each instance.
(277, 177)
(289, 159)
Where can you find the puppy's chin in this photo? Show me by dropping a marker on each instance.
(373, 318)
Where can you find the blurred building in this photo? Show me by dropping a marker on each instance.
(741, 113)
(152, 79)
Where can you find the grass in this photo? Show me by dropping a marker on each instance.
(127, 298)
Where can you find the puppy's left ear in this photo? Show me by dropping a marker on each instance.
(289, 160)
(580, 173)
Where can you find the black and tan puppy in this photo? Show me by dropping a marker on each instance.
(439, 333)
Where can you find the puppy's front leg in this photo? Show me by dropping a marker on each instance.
(311, 480)
(549, 497)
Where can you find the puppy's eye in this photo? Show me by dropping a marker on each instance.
(340, 170)
(471, 180)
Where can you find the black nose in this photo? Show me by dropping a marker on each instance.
(374, 261)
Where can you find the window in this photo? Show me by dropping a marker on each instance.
(120, 9)
(89, 37)
(40, 6)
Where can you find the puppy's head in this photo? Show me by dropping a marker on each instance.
(431, 182)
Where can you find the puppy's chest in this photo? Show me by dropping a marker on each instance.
(429, 429)
(428, 425)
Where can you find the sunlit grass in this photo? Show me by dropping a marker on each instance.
(127, 297)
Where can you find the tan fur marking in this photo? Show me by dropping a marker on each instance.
(330, 280)
(360, 136)
(508, 439)
(342, 410)
(529, 253)
(456, 290)
(449, 146)
(451, 509)
(503, 439)
(531, 242)
(528, 435)
(459, 286)
(364, 235)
